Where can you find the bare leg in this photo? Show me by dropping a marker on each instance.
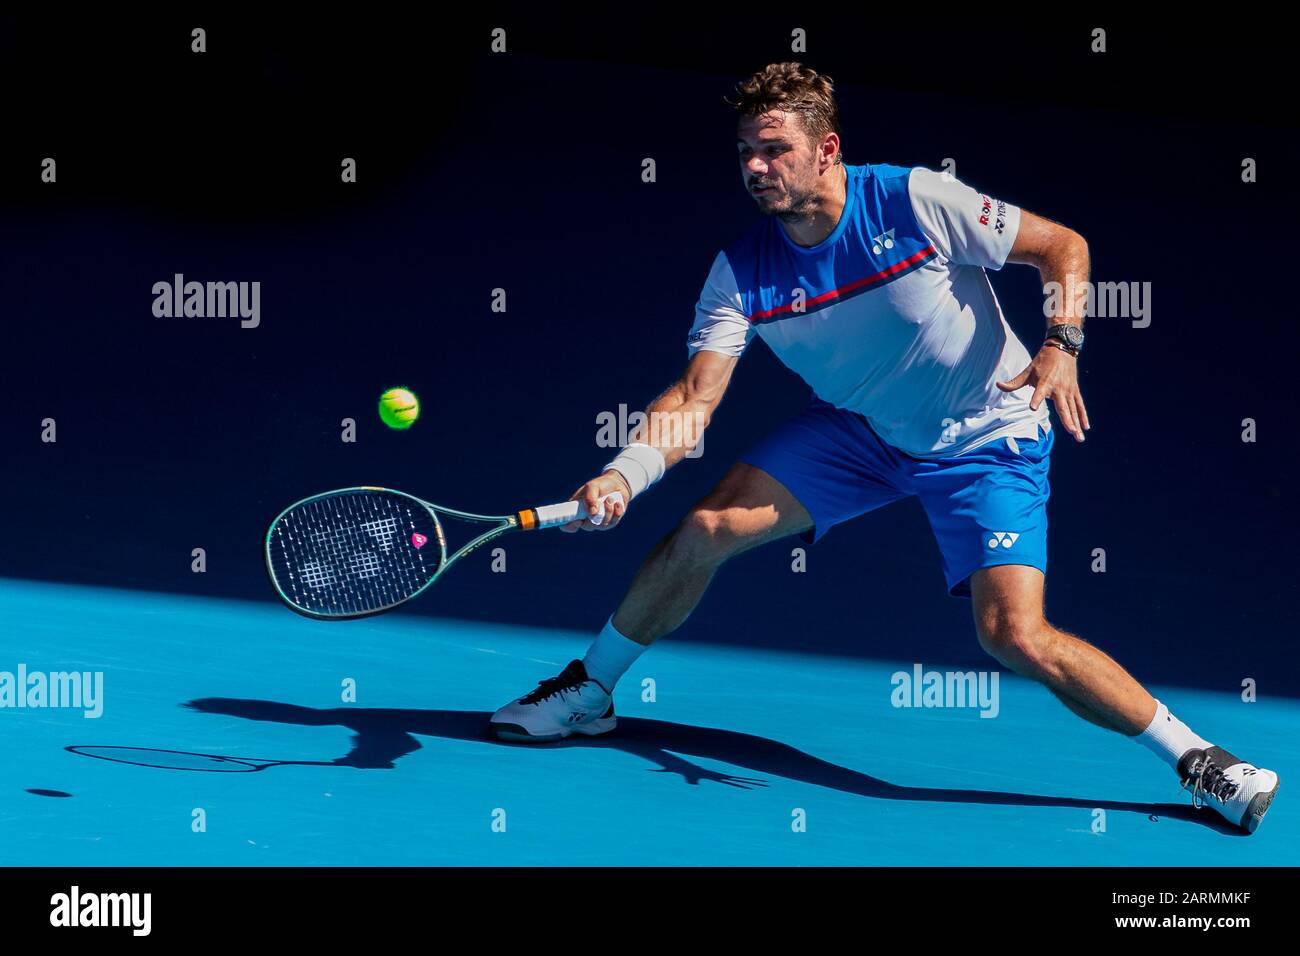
(747, 508)
(1011, 626)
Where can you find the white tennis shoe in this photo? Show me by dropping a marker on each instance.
(1241, 792)
(569, 703)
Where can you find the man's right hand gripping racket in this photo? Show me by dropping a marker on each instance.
(362, 551)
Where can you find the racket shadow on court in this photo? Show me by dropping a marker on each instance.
(381, 737)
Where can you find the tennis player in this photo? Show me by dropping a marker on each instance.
(870, 282)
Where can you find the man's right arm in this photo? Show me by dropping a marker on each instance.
(674, 425)
(675, 421)
(691, 402)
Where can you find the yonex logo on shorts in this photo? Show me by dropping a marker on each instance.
(1004, 539)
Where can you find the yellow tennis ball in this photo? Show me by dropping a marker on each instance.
(399, 408)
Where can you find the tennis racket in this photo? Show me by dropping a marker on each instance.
(362, 551)
(180, 760)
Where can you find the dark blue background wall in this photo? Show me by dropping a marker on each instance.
(523, 172)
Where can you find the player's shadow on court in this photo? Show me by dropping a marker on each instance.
(383, 737)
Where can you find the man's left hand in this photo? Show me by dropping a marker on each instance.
(1054, 374)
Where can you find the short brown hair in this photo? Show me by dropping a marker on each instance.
(793, 88)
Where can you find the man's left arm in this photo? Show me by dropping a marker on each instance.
(1061, 256)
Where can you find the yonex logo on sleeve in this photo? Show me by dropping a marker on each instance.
(986, 213)
(1004, 539)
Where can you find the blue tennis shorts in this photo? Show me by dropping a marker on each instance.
(986, 507)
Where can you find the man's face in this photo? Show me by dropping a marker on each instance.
(778, 162)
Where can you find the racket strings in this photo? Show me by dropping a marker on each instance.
(354, 553)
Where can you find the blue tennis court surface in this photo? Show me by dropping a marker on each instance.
(713, 771)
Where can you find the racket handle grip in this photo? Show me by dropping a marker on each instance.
(551, 516)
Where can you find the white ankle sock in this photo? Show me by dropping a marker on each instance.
(1169, 738)
(610, 655)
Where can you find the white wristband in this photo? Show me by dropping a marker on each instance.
(640, 465)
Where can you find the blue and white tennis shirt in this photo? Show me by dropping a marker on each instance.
(891, 316)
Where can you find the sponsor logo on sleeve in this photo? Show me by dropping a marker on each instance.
(987, 215)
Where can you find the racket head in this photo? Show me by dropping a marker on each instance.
(354, 552)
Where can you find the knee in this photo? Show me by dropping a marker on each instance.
(706, 536)
(1020, 641)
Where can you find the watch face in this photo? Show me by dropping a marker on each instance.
(1070, 335)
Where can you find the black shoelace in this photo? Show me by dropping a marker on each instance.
(568, 679)
(1210, 779)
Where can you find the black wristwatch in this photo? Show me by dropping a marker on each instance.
(1066, 337)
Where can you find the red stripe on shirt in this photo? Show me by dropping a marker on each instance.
(852, 286)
